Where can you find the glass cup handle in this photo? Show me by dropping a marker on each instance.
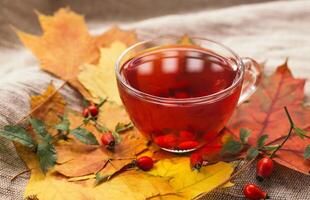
(251, 80)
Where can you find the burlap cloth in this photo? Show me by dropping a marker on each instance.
(265, 31)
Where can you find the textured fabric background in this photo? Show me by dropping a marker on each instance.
(265, 31)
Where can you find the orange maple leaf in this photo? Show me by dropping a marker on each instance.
(264, 114)
(66, 44)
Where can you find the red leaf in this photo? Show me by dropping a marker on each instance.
(264, 114)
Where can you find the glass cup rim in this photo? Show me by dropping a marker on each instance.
(211, 98)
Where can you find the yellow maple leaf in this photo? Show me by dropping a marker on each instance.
(54, 105)
(100, 80)
(187, 183)
(66, 44)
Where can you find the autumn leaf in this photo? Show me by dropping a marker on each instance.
(66, 44)
(100, 80)
(54, 105)
(113, 34)
(188, 183)
(264, 115)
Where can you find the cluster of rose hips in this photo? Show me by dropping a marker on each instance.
(264, 169)
(145, 163)
(251, 191)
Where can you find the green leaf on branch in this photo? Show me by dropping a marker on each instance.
(121, 127)
(46, 153)
(252, 153)
(100, 179)
(261, 141)
(17, 134)
(101, 128)
(64, 125)
(244, 135)
(232, 147)
(271, 147)
(84, 136)
(300, 132)
(307, 152)
(39, 127)
(117, 137)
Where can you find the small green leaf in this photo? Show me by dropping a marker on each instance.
(64, 124)
(117, 137)
(17, 134)
(101, 128)
(307, 152)
(271, 147)
(46, 154)
(100, 179)
(300, 132)
(121, 127)
(38, 127)
(244, 135)
(84, 136)
(232, 147)
(252, 153)
(261, 141)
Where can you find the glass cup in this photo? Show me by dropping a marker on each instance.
(185, 123)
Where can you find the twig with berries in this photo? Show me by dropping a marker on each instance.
(144, 163)
(265, 165)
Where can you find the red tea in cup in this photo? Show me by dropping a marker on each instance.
(179, 96)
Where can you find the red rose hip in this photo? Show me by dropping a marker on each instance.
(166, 141)
(188, 145)
(93, 110)
(186, 135)
(85, 113)
(196, 161)
(108, 140)
(145, 163)
(253, 192)
(264, 168)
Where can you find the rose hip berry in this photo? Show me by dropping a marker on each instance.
(85, 113)
(188, 145)
(187, 135)
(264, 168)
(93, 110)
(145, 163)
(108, 140)
(196, 161)
(166, 141)
(253, 192)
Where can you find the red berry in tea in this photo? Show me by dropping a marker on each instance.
(108, 140)
(168, 76)
(253, 192)
(188, 145)
(166, 141)
(93, 110)
(186, 135)
(264, 168)
(145, 163)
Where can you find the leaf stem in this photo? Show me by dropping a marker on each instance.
(289, 133)
(19, 174)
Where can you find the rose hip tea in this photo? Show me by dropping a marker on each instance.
(176, 84)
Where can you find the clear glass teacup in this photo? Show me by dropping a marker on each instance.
(181, 95)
